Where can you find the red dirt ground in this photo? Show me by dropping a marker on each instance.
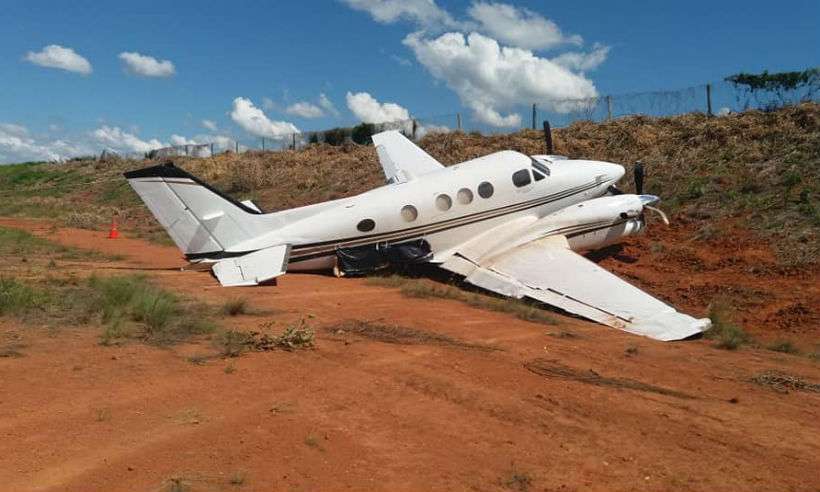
(543, 412)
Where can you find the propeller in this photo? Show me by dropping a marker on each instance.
(659, 212)
(648, 200)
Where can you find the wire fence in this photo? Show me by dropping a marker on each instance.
(714, 99)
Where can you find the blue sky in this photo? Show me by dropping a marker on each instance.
(277, 54)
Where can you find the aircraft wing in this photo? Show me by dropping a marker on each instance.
(548, 271)
(401, 159)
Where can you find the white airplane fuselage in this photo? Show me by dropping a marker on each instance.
(506, 222)
(450, 206)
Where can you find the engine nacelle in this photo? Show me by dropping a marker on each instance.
(599, 222)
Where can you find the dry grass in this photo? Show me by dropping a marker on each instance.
(235, 306)
(296, 336)
(84, 220)
(784, 383)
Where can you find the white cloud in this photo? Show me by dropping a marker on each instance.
(369, 110)
(401, 60)
(583, 62)
(327, 105)
(180, 140)
(209, 125)
(219, 141)
(17, 146)
(254, 121)
(519, 27)
(121, 140)
(489, 78)
(146, 66)
(269, 105)
(13, 129)
(56, 56)
(305, 110)
(423, 130)
(422, 12)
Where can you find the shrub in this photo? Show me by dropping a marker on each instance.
(235, 306)
(727, 334)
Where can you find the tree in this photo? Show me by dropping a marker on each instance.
(361, 133)
(775, 90)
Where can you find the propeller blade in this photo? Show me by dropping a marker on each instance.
(659, 212)
(638, 175)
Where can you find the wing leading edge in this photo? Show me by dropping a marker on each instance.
(548, 271)
(401, 159)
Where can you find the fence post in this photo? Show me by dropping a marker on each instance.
(294, 141)
(212, 149)
(186, 149)
(415, 127)
(709, 99)
(263, 144)
(458, 121)
(236, 146)
(533, 116)
(609, 108)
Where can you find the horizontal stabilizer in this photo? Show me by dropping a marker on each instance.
(253, 268)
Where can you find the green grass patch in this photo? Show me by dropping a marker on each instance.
(424, 289)
(726, 334)
(131, 306)
(41, 179)
(17, 298)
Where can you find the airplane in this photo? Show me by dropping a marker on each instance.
(506, 222)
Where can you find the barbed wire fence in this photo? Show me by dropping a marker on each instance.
(713, 99)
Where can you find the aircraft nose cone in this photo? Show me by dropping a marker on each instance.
(613, 172)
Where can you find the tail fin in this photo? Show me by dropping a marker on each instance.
(201, 220)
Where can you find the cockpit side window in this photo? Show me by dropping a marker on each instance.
(538, 176)
(521, 178)
(541, 167)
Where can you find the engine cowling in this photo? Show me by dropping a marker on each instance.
(599, 222)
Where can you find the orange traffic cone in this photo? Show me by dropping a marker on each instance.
(113, 233)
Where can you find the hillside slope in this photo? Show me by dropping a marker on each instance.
(742, 193)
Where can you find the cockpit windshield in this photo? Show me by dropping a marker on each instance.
(541, 167)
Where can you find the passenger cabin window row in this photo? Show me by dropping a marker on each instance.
(443, 202)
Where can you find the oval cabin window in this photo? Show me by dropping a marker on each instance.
(409, 213)
(366, 225)
(485, 190)
(444, 202)
(464, 196)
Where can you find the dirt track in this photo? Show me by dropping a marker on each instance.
(541, 413)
